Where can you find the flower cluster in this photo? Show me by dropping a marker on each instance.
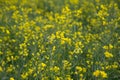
(98, 73)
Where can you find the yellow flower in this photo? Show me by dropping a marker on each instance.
(108, 54)
(97, 1)
(103, 74)
(68, 77)
(57, 78)
(34, 75)
(43, 64)
(74, 1)
(12, 78)
(108, 67)
(24, 75)
(78, 68)
(99, 73)
(30, 71)
(7, 31)
(110, 46)
(13, 7)
(10, 68)
(56, 68)
(44, 78)
(96, 73)
(1, 69)
(105, 47)
(66, 64)
(0, 40)
(54, 48)
(84, 70)
(115, 65)
(81, 75)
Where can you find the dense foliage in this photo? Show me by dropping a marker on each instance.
(59, 39)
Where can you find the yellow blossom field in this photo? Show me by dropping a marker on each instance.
(59, 39)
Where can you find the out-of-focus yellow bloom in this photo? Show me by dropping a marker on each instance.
(68, 77)
(55, 69)
(103, 74)
(66, 64)
(7, 31)
(24, 75)
(103, 7)
(99, 73)
(1, 69)
(30, 71)
(67, 40)
(13, 7)
(84, 70)
(12, 78)
(1, 53)
(43, 64)
(45, 78)
(10, 68)
(54, 48)
(108, 67)
(0, 40)
(97, 1)
(34, 75)
(115, 65)
(57, 78)
(96, 73)
(65, 10)
(108, 54)
(78, 68)
(105, 23)
(105, 47)
(110, 46)
(74, 1)
(81, 75)
(78, 50)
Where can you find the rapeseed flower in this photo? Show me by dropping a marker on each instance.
(1, 69)
(78, 68)
(96, 73)
(99, 73)
(24, 75)
(74, 1)
(11, 78)
(7, 31)
(55, 69)
(108, 54)
(103, 74)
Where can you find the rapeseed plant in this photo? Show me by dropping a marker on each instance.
(108, 54)
(98, 73)
(59, 40)
(11, 78)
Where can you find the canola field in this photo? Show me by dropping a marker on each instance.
(59, 39)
